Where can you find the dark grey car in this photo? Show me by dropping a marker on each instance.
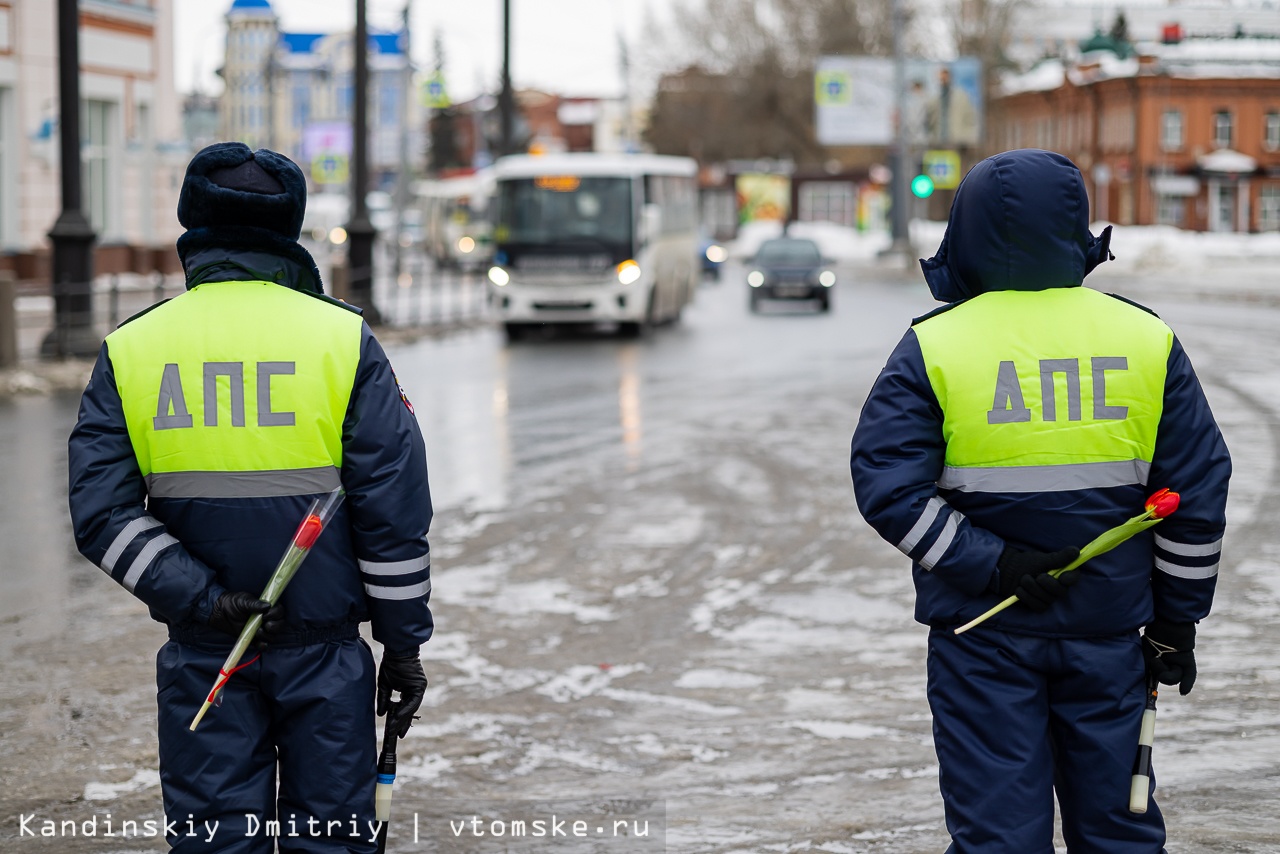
(790, 268)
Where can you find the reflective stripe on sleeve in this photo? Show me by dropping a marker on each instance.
(398, 567)
(1188, 549)
(943, 542)
(1061, 478)
(412, 591)
(931, 510)
(1180, 571)
(243, 484)
(144, 559)
(125, 538)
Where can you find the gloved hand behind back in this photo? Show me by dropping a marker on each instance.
(1026, 575)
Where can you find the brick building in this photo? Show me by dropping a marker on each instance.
(1185, 132)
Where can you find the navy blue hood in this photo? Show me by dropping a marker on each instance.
(1019, 222)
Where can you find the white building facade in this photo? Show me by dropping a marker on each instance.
(294, 93)
(132, 157)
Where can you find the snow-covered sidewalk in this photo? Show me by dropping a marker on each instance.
(1192, 263)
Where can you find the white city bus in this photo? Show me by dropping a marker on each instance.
(594, 238)
(455, 219)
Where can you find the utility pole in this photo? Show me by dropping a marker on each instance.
(898, 161)
(506, 98)
(72, 236)
(360, 231)
(402, 178)
(624, 70)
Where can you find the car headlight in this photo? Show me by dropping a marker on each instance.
(716, 254)
(628, 272)
(466, 245)
(826, 278)
(755, 278)
(499, 276)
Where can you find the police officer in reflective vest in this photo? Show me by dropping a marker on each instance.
(209, 424)
(1007, 429)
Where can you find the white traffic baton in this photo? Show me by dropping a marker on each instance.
(1140, 786)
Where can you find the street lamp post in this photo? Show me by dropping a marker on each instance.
(72, 236)
(506, 97)
(360, 230)
(899, 161)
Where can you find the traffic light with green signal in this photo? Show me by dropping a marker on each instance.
(922, 186)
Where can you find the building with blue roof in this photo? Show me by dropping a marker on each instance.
(293, 92)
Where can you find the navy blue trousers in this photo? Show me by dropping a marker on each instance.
(305, 712)
(1017, 719)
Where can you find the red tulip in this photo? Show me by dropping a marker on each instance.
(1163, 503)
(312, 526)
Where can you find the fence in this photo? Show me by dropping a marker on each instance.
(419, 297)
(423, 296)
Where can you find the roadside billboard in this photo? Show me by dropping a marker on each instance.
(854, 101)
(762, 197)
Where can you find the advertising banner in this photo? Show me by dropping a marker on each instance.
(854, 99)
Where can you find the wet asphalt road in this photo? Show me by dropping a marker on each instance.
(654, 596)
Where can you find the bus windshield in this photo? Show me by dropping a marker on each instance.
(566, 213)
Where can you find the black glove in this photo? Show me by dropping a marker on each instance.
(404, 674)
(1167, 649)
(233, 610)
(1026, 575)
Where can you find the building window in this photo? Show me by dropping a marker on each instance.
(345, 92)
(1271, 131)
(1171, 130)
(1269, 208)
(1171, 210)
(389, 105)
(827, 201)
(301, 106)
(8, 216)
(97, 126)
(1222, 129)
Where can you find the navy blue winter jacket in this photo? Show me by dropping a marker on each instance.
(1020, 222)
(371, 564)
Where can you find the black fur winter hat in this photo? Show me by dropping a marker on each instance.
(227, 184)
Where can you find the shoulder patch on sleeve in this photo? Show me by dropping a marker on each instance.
(1134, 304)
(403, 397)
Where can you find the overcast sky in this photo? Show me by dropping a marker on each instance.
(566, 46)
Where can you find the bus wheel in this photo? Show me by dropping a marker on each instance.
(638, 328)
(515, 331)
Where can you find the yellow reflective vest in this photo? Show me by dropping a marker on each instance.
(1046, 390)
(213, 411)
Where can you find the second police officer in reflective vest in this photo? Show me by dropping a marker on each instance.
(1008, 429)
(209, 424)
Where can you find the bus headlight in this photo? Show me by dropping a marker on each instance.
(466, 245)
(628, 272)
(499, 276)
(755, 278)
(826, 278)
(716, 254)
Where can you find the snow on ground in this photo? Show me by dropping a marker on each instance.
(1239, 262)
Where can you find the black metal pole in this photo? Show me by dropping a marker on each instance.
(360, 231)
(898, 160)
(72, 236)
(506, 98)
